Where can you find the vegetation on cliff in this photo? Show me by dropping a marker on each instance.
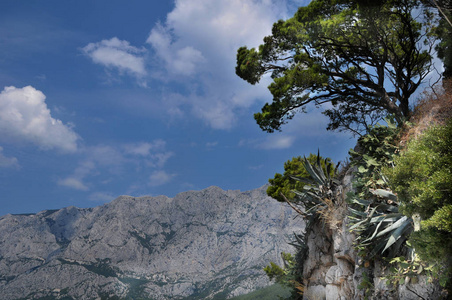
(366, 61)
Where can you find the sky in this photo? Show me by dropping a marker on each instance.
(106, 98)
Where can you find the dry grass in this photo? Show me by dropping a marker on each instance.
(333, 213)
(432, 109)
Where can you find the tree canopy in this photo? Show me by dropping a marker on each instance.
(362, 61)
(444, 32)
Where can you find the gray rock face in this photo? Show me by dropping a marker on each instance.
(333, 269)
(199, 244)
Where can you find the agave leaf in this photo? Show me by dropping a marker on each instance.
(377, 248)
(388, 217)
(361, 202)
(320, 172)
(314, 208)
(397, 245)
(385, 194)
(357, 224)
(357, 212)
(312, 172)
(375, 233)
(388, 207)
(395, 225)
(301, 179)
(298, 193)
(311, 188)
(396, 234)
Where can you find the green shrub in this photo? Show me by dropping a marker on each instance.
(422, 179)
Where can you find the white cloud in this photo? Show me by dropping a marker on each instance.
(271, 142)
(217, 115)
(144, 148)
(200, 39)
(7, 162)
(211, 144)
(119, 54)
(181, 61)
(24, 116)
(160, 177)
(278, 142)
(104, 163)
(154, 154)
(74, 183)
(158, 160)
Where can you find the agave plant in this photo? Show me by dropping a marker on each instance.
(319, 185)
(322, 193)
(381, 227)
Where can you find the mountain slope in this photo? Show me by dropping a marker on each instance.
(199, 244)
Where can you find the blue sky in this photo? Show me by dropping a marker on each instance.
(105, 98)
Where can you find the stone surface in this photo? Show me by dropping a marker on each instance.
(197, 244)
(333, 270)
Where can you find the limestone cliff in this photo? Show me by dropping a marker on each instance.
(333, 270)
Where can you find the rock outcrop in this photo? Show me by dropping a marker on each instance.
(200, 244)
(333, 269)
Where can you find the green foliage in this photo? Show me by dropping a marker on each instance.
(381, 229)
(290, 275)
(285, 183)
(376, 150)
(278, 274)
(444, 47)
(404, 271)
(319, 186)
(422, 178)
(366, 285)
(434, 249)
(366, 60)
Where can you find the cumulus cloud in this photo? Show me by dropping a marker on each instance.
(182, 61)
(7, 162)
(24, 116)
(196, 48)
(117, 54)
(160, 177)
(197, 45)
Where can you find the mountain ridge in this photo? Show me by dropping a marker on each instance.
(198, 245)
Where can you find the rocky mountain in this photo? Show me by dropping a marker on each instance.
(209, 244)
